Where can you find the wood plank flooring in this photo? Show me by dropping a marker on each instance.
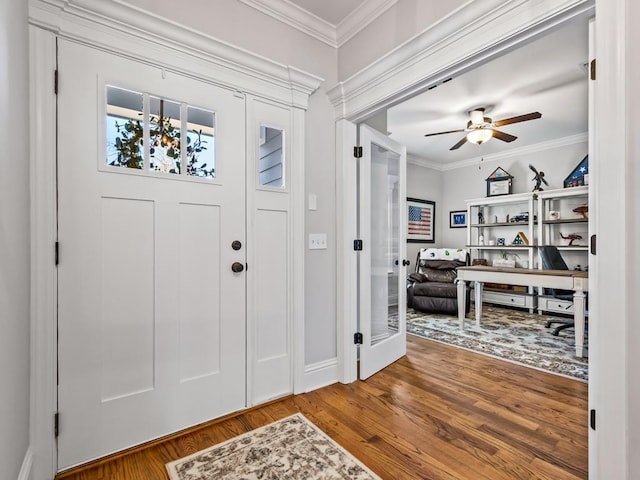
(438, 413)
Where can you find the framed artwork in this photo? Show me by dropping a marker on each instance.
(421, 221)
(458, 219)
(499, 183)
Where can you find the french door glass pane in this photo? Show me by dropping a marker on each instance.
(385, 254)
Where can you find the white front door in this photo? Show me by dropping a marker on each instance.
(152, 327)
(382, 224)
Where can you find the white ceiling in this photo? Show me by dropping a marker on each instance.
(548, 75)
(332, 11)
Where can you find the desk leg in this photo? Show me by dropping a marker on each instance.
(478, 294)
(462, 300)
(578, 318)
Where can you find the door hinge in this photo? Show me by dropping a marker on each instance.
(57, 253)
(592, 419)
(592, 244)
(55, 81)
(357, 152)
(357, 338)
(592, 69)
(56, 424)
(357, 245)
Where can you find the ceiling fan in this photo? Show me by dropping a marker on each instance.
(480, 128)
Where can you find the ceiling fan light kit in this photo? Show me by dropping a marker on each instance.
(480, 129)
(479, 135)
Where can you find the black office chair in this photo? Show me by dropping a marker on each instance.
(552, 260)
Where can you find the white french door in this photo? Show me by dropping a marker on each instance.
(151, 317)
(382, 225)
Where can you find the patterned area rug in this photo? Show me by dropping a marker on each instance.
(513, 335)
(291, 448)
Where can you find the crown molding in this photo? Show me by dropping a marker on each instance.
(360, 18)
(423, 162)
(492, 157)
(526, 150)
(318, 28)
(298, 18)
(127, 30)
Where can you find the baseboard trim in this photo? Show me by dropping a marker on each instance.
(27, 463)
(321, 374)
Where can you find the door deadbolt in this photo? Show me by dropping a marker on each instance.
(237, 267)
(236, 244)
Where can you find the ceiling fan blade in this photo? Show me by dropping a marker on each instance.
(519, 118)
(505, 137)
(442, 133)
(462, 141)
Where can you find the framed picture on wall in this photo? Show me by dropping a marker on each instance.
(458, 219)
(421, 221)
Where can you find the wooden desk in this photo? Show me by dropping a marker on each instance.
(559, 279)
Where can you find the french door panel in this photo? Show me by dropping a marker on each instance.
(382, 225)
(152, 328)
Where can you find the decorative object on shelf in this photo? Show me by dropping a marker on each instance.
(505, 261)
(499, 183)
(521, 217)
(458, 219)
(421, 221)
(520, 239)
(480, 216)
(538, 178)
(582, 210)
(481, 240)
(501, 241)
(572, 237)
(579, 175)
(480, 261)
(554, 215)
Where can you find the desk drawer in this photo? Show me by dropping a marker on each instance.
(508, 298)
(550, 304)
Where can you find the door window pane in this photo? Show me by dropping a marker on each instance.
(200, 142)
(271, 160)
(164, 135)
(124, 125)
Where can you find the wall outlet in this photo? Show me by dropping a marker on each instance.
(317, 241)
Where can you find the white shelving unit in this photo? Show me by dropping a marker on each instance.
(565, 222)
(492, 218)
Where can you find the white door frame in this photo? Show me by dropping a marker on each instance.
(468, 37)
(156, 41)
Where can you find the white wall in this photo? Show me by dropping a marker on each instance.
(401, 22)
(14, 238)
(245, 27)
(425, 183)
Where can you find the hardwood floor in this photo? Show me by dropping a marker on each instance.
(438, 413)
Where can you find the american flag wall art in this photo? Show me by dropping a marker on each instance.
(420, 221)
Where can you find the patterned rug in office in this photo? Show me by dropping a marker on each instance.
(291, 448)
(513, 335)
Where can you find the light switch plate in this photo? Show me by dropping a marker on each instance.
(317, 241)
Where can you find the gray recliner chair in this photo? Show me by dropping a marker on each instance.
(432, 287)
